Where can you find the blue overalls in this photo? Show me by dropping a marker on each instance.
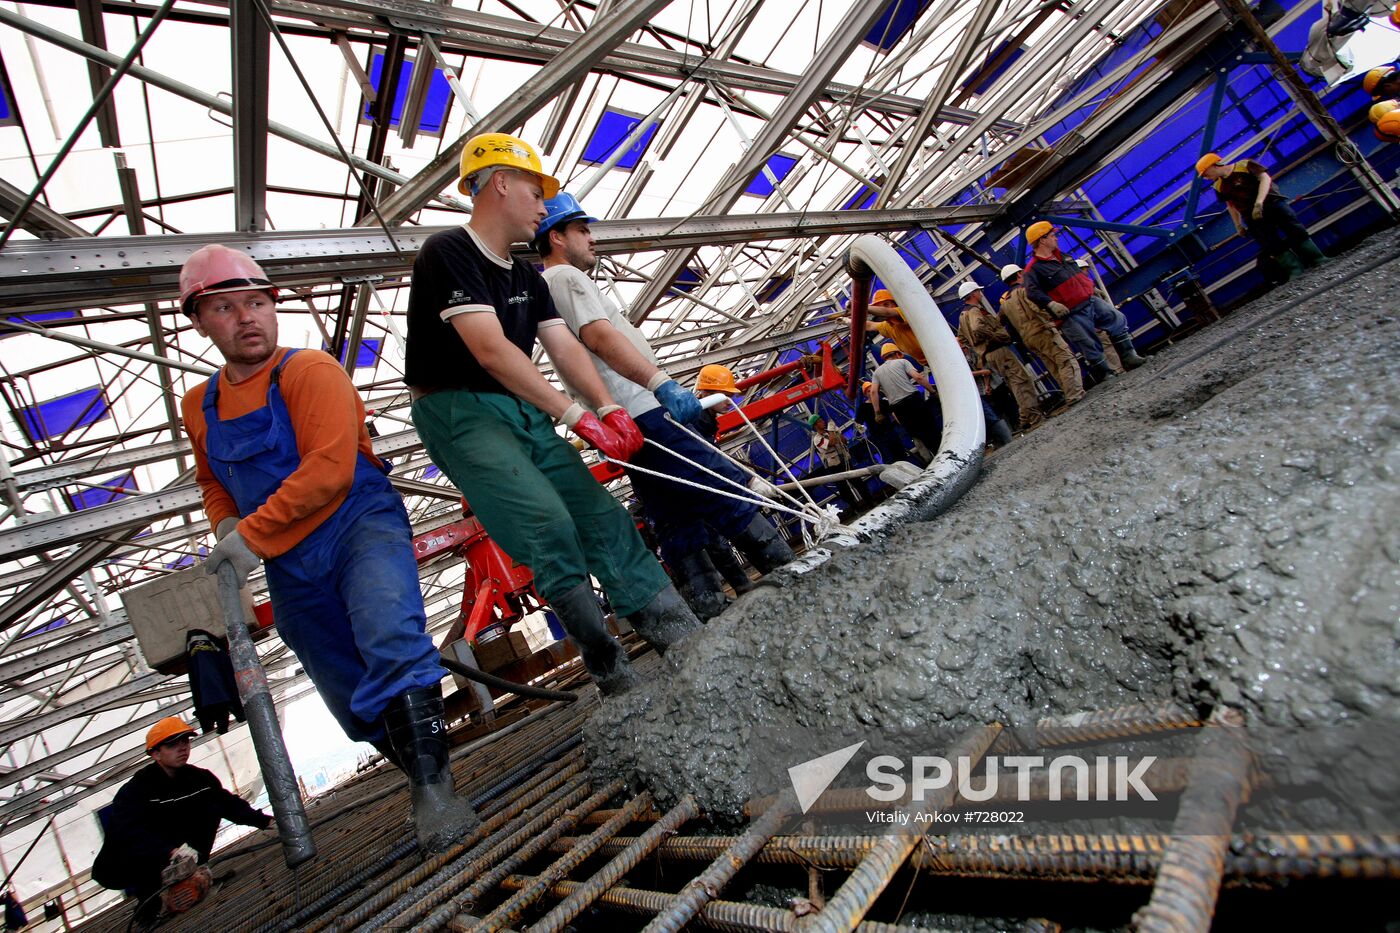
(346, 598)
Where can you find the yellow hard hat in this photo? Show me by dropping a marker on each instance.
(168, 728)
(716, 378)
(1380, 109)
(1375, 76)
(1389, 126)
(1206, 161)
(881, 294)
(888, 350)
(1037, 230)
(491, 149)
(865, 386)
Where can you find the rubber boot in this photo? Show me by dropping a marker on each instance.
(1127, 352)
(727, 563)
(418, 732)
(700, 585)
(999, 432)
(386, 749)
(1101, 372)
(666, 620)
(762, 545)
(604, 658)
(1290, 265)
(1309, 254)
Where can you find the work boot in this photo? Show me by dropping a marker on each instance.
(417, 730)
(386, 749)
(762, 545)
(1289, 265)
(727, 563)
(1309, 254)
(666, 620)
(700, 584)
(603, 657)
(1101, 372)
(1127, 352)
(999, 432)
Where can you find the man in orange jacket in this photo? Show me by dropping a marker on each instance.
(290, 480)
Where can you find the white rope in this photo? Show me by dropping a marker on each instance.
(743, 468)
(753, 498)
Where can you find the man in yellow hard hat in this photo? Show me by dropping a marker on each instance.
(1260, 210)
(683, 514)
(487, 416)
(1382, 83)
(160, 827)
(1058, 284)
(898, 380)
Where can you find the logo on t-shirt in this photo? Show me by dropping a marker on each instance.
(522, 298)
(458, 296)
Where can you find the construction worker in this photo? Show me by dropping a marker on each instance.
(681, 514)
(885, 318)
(834, 456)
(898, 380)
(991, 343)
(161, 825)
(1260, 210)
(713, 379)
(1066, 291)
(486, 415)
(290, 480)
(1040, 336)
(1382, 83)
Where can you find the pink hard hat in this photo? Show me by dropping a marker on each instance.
(214, 269)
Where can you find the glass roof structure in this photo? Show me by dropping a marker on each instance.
(732, 149)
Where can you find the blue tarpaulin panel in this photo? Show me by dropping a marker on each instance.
(613, 128)
(899, 17)
(434, 105)
(109, 490)
(780, 165)
(57, 416)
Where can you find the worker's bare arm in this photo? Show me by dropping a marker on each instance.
(571, 361)
(613, 348)
(481, 332)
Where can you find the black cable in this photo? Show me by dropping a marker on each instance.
(500, 683)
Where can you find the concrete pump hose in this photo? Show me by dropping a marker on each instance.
(959, 458)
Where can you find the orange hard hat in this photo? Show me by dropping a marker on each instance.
(716, 378)
(1380, 109)
(1206, 161)
(888, 350)
(1388, 126)
(1375, 76)
(881, 295)
(168, 728)
(1037, 230)
(215, 269)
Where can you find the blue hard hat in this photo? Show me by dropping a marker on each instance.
(561, 208)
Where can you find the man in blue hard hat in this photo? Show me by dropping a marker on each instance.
(682, 514)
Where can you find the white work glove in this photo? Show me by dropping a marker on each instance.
(235, 551)
(763, 488)
(1058, 311)
(183, 862)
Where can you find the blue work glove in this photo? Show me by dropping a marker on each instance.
(233, 549)
(680, 402)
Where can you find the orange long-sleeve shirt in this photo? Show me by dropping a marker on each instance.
(328, 417)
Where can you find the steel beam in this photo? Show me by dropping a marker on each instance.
(838, 45)
(251, 47)
(64, 652)
(40, 220)
(94, 32)
(118, 270)
(572, 63)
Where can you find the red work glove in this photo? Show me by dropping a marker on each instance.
(625, 428)
(594, 433)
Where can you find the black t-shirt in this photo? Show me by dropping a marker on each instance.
(452, 271)
(1241, 187)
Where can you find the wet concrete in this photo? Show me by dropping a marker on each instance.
(1221, 526)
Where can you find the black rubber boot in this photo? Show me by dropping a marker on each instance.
(700, 585)
(666, 620)
(604, 658)
(418, 732)
(1101, 372)
(1127, 353)
(762, 545)
(1309, 254)
(727, 563)
(383, 747)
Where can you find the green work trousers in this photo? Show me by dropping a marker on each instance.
(535, 497)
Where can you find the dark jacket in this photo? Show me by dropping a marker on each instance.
(1057, 279)
(154, 813)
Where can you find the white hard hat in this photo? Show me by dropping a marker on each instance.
(967, 288)
(1008, 270)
